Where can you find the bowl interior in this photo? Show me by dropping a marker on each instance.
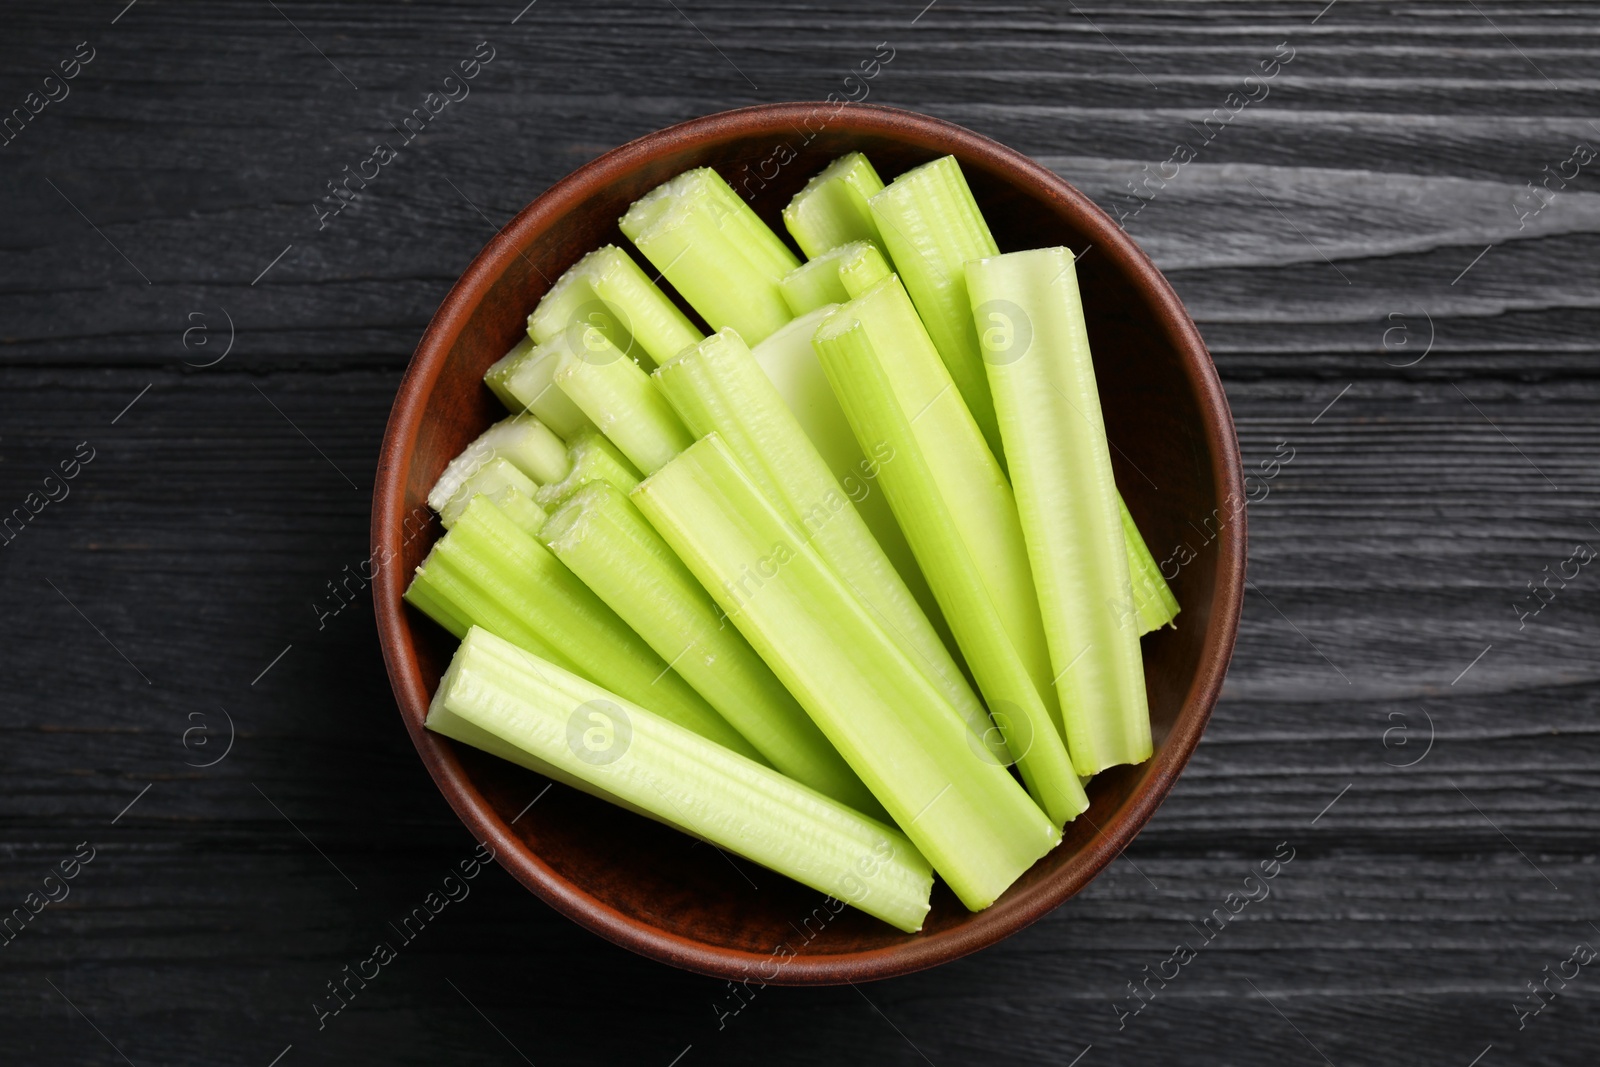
(1176, 462)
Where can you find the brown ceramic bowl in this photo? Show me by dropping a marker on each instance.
(1177, 460)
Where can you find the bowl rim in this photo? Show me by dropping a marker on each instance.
(412, 696)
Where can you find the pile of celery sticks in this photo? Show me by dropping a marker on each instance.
(845, 587)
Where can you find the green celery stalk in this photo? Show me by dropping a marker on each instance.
(623, 401)
(956, 802)
(1030, 321)
(508, 488)
(959, 806)
(601, 536)
(652, 763)
(594, 459)
(521, 379)
(862, 268)
(931, 226)
(489, 573)
(521, 439)
(960, 517)
(1153, 601)
(606, 291)
(814, 284)
(714, 250)
(832, 208)
(827, 278)
(791, 364)
(718, 386)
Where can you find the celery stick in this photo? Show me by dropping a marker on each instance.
(814, 283)
(521, 439)
(607, 292)
(791, 364)
(718, 386)
(715, 251)
(829, 278)
(521, 379)
(651, 763)
(1152, 599)
(832, 208)
(623, 401)
(960, 517)
(489, 573)
(960, 807)
(931, 226)
(1036, 348)
(602, 537)
(443, 721)
(861, 268)
(594, 459)
(510, 490)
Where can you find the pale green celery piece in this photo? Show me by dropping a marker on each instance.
(487, 572)
(832, 208)
(834, 277)
(791, 364)
(814, 284)
(623, 402)
(594, 459)
(931, 226)
(521, 379)
(601, 536)
(1152, 598)
(1036, 348)
(606, 291)
(960, 806)
(719, 386)
(861, 268)
(495, 376)
(441, 720)
(511, 491)
(715, 251)
(650, 763)
(960, 517)
(522, 440)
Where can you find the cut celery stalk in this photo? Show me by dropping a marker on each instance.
(718, 386)
(961, 808)
(1152, 598)
(830, 277)
(607, 292)
(832, 208)
(510, 490)
(522, 439)
(443, 721)
(601, 536)
(1041, 375)
(791, 364)
(491, 574)
(623, 402)
(521, 379)
(814, 284)
(715, 251)
(931, 226)
(495, 376)
(594, 459)
(960, 517)
(651, 763)
(861, 268)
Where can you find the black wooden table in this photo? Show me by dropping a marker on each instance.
(1389, 243)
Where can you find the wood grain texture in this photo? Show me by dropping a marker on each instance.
(1387, 555)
